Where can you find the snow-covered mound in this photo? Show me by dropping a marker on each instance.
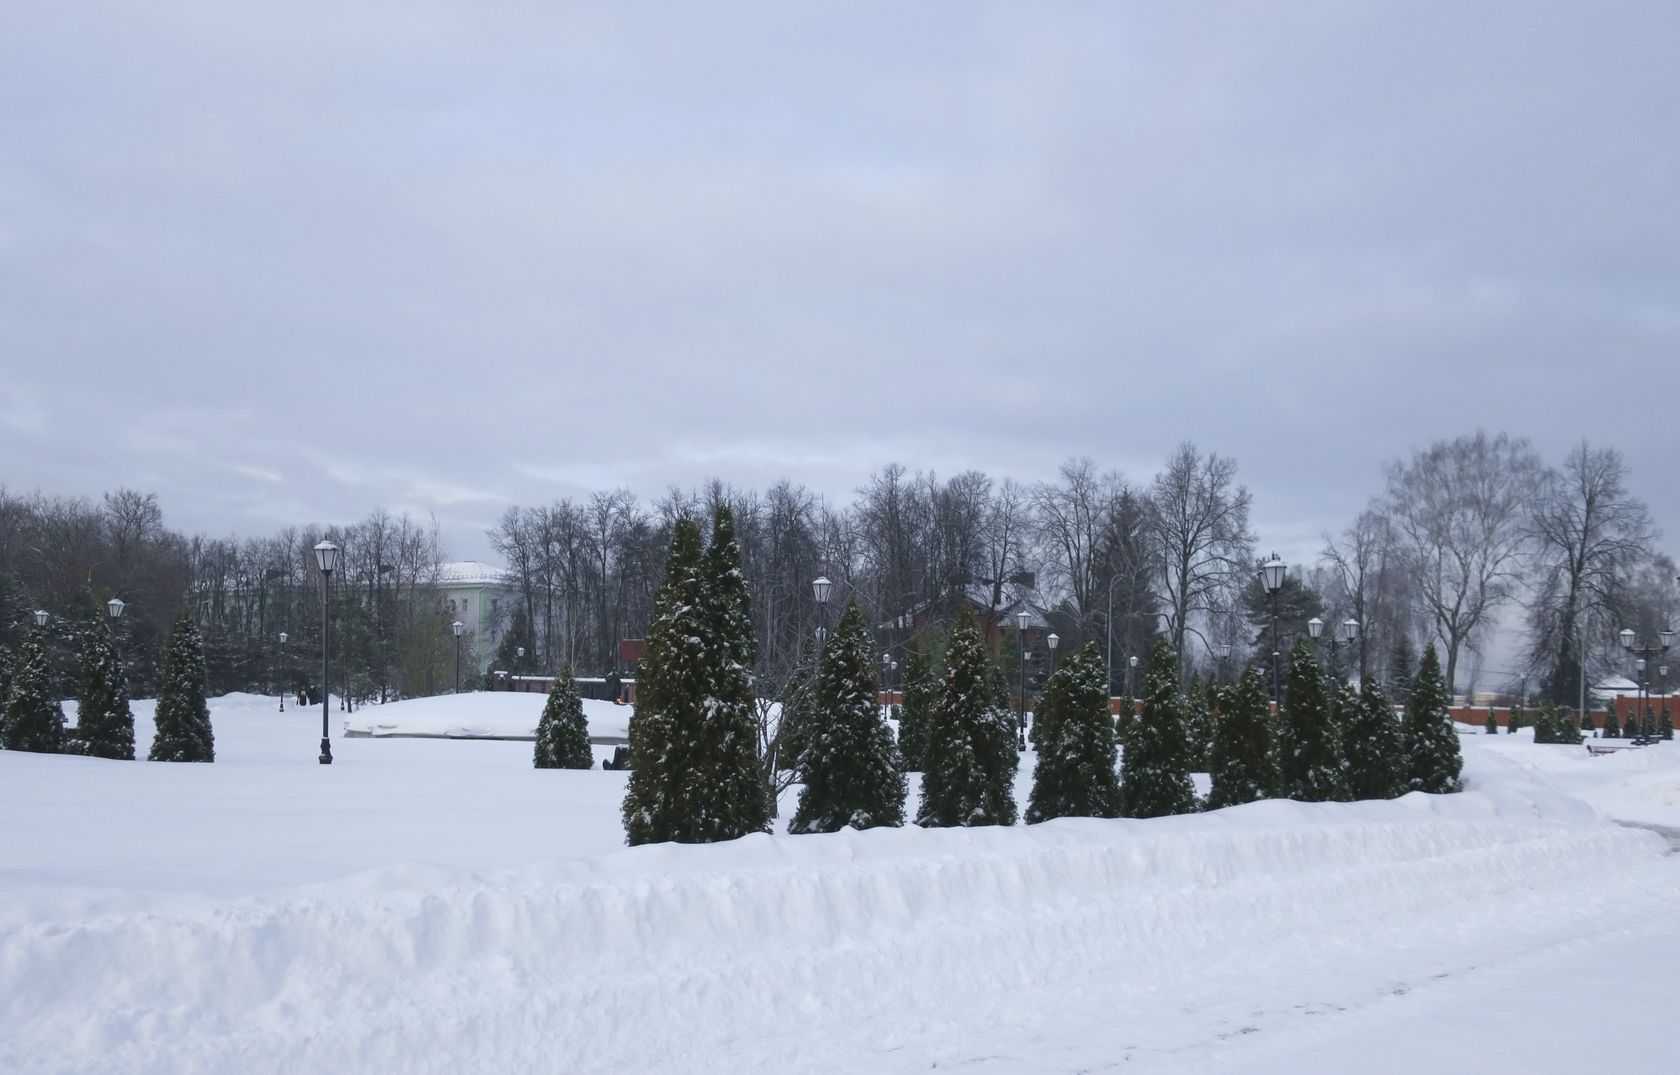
(481, 715)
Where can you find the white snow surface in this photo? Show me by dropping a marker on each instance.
(433, 905)
(480, 715)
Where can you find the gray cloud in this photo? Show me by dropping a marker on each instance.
(294, 264)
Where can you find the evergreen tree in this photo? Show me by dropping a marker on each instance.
(1376, 761)
(852, 772)
(1587, 722)
(520, 635)
(1311, 763)
(34, 717)
(672, 682)
(1564, 728)
(1518, 718)
(921, 687)
(1491, 725)
(1545, 725)
(1075, 774)
(1612, 726)
(797, 725)
(728, 774)
(1199, 724)
(1155, 770)
(104, 723)
(1402, 658)
(1665, 724)
(563, 731)
(1243, 768)
(1433, 762)
(183, 717)
(969, 760)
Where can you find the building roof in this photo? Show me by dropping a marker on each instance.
(462, 573)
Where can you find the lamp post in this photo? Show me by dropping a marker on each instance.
(457, 627)
(1222, 651)
(1644, 655)
(1052, 641)
(1271, 577)
(519, 659)
(283, 637)
(1021, 619)
(820, 589)
(40, 617)
(326, 558)
(886, 670)
(1131, 666)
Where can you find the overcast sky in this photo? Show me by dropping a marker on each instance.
(292, 264)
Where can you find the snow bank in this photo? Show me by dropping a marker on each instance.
(480, 715)
(656, 957)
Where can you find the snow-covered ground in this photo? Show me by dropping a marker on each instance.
(439, 905)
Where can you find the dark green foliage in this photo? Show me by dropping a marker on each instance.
(1243, 768)
(1433, 762)
(969, 754)
(563, 731)
(104, 723)
(852, 772)
(1311, 765)
(1199, 725)
(1665, 724)
(1517, 718)
(1612, 726)
(1376, 760)
(34, 718)
(183, 717)
(1402, 659)
(1155, 770)
(521, 634)
(921, 686)
(1564, 728)
(1491, 725)
(1075, 775)
(1587, 722)
(796, 722)
(1545, 725)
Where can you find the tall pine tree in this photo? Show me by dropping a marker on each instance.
(1311, 765)
(563, 731)
(104, 722)
(1155, 770)
(969, 754)
(1376, 762)
(852, 771)
(183, 716)
(1433, 762)
(34, 717)
(921, 687)
(1243, 759)
(1402, 660)
(1075, 775)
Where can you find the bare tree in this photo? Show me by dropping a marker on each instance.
(1368, 582)
(1072, 517)
(1458, 509)
(1199, 523)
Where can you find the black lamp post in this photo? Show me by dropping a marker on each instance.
(1021, 619)
(326, 558)
(283, 637)
(1131, 667)
(1222, 651)
(518, 660)
(457, 627)
(40, 617)
(886, 670)
(1644, 655)
(1053, 640)
(820, 589)
(1271, 577)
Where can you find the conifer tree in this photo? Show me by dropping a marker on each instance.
(1376, 760)
(794, 729)
(852, 772)
(1199, 723)
(563, 731)
(969, 755)
(183, 716)
(1491, 725)
(1155, 770)
(1612, 726)
(1587, 722)
(1665, 724)
(1243, 767)
(1433, 762)
(1075, 775)
(921, 687)
(1311, 764)
(104, 723)
(34, 718)
(1564, 728)
(1402, 660)
(1545, 730)
(672, 682)
(729, 775)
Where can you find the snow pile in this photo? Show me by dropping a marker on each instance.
(480, 715)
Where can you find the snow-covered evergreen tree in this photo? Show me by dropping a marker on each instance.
(1376, 761)
(1665, 724)
(672, 683)
(1155, 769)
(1402, 660)
(1311, 764)
(969, 758)
(852, 772)
(104, 723)
(1075, 775)
(1200, 724)
(1490, 726)
(563, 731)
(1612, 725)
(1564, 728)
(730, 785)
(1243, 760)
(1433, 761)
(921, 687)
(1587, 725)
(34, 718)
(183, 716)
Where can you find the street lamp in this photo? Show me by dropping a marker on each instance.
(1271, 577)
(457, 627)
(40, 617)
(1021, 619)
(519, 661)
(820, 589)
(326, 558)
(1644, 655)
(1052, 641)
(1131, 666)
(1222, 651)
(114, 608)
(283, 637)
(886, 671)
